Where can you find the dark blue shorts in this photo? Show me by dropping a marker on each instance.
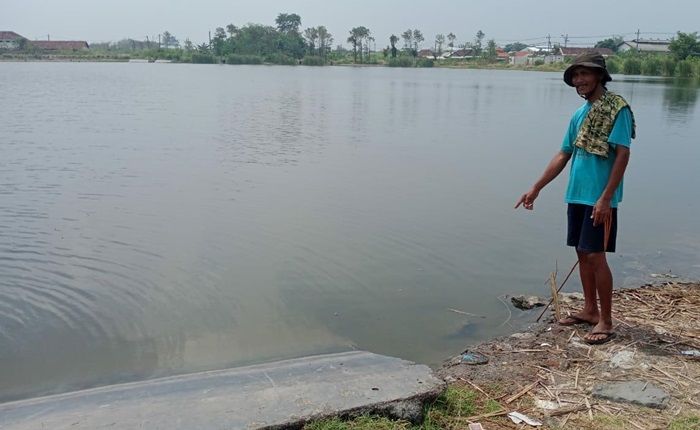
(583, 235)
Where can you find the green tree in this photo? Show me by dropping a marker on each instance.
(610, 43)
(289, 41)
(354, 40)
(417, 40)
(311, 36)
(407, 37)
(515, 46)
(451, 38)
(439, 41)
(218, 42)
(169, 40)
(189, 46)
(684, 45)
(232, 31)
(358, 39)
(325, 40)
(491, 53)
(392, 41)
(478, 43)
(288, 23)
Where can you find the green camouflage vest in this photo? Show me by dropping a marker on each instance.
(596, 128)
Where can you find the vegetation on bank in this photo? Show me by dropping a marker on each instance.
(449, 411)
(286, 43)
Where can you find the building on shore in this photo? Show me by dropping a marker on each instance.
(11, 41)
(60, 45)
(575, 52)
(645, 45)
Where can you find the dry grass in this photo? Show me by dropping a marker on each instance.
(553, 372)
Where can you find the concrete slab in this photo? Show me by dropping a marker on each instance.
(637, 392)
(272, 396)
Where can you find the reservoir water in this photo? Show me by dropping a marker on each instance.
(158, 219)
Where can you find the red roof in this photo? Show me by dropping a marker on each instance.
(58, 45)
(10, 35)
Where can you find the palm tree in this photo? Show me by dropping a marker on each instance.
(451, 37)
(417, 39)
(311, 35)
(392, 40)
(439, 41)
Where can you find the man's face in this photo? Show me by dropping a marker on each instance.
(585, 80)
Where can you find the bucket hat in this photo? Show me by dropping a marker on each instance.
(592, 60)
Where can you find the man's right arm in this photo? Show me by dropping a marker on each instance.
(553, 169)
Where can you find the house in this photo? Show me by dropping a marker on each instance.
(521, 57)
(60, 45)
(501, 55)
(645, 45)
(11, 40)
(425, 53)
(575, 52)
(461, 54)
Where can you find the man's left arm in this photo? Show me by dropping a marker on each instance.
(601, 210)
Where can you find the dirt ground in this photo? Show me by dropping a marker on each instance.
(548, 373)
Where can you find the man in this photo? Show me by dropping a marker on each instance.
(597, 143)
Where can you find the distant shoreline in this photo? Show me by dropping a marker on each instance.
(79, 59)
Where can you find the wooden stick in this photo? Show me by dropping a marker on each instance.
(475, 386)
(555, 295)
(560, 287)
(522, 392)
(566, 410)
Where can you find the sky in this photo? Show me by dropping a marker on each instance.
(528, 21)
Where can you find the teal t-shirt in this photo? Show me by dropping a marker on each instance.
(590, 173)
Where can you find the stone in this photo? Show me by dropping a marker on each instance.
(637, 392)
(526, 335)
(623, 359)
(527, 302)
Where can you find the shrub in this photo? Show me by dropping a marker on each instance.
(425, 62)
(198, 58)
(614, 65)
(632, 66)
(313, 61)
(244, 59)
(669, 66)
(401, 62)
(539, 62)
(685, 68)
(281, 59)
(651, 66)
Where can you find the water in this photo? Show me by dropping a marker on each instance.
(159, 219)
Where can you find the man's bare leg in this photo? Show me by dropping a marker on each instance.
(604, 288)
(588, 281)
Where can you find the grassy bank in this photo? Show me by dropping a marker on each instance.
(627, 64)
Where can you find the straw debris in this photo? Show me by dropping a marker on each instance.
(551, 374)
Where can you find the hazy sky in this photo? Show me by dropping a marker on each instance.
(503, 20)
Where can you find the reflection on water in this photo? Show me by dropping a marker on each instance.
(150, 226)
(680, 97)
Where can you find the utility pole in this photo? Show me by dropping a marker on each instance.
(48, 37)
(159, 41)
(566, 39)
(549, 43)
(637, 40)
